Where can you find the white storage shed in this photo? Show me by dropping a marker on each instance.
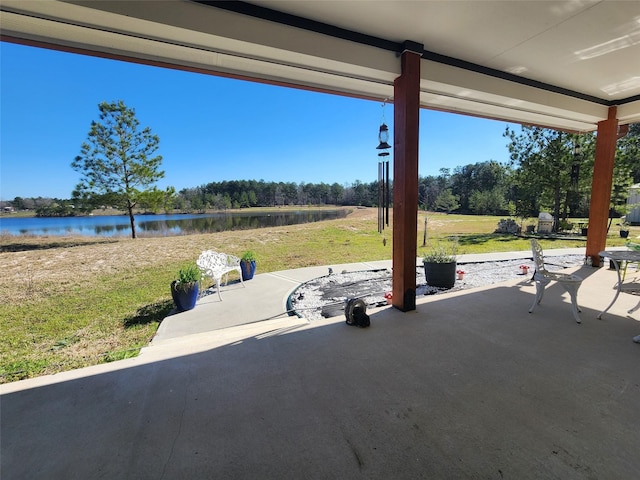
(633, 202)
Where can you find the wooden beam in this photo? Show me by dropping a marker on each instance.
(406, 102)
(601, 186)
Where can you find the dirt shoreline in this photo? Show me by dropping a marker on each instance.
(50, 264)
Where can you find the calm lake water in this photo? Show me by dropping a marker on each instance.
(161, 225)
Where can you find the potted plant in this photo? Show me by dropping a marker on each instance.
(584, 229)
(185, 288)
(624, 229)
(248, 265)
(440, 262)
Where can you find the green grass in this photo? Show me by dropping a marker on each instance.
(103, 321)
(91, 319)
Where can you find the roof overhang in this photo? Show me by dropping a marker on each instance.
(248, 41)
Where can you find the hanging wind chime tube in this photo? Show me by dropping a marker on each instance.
(575, 166)
(387, 190)
(380, 196)
(383, 174)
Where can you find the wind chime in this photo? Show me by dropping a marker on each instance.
(575, 165)
(383, 174)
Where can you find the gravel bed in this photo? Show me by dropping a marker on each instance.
(326, 296)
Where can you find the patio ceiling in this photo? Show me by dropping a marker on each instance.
(559, 64)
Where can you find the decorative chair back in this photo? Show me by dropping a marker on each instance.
(538, 255)
(217, 265)
(542, 277)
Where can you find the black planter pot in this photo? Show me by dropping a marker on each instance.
(584, 231)
(184, 299)
(441, 275)
(248, 269)
(624, 233)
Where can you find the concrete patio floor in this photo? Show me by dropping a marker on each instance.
(469, 385)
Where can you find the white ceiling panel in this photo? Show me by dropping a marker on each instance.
(552, 63)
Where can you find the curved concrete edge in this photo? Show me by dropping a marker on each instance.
(289, 280)
(265, 297)
(199, 342)
(186, 345)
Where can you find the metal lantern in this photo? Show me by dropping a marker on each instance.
(577, 150)
(383, 138)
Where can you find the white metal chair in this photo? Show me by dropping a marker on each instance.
(542, 277)
(631, 289)
(217, 265)
(636, 248)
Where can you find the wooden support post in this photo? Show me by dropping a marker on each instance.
(405, 179)
(601, 186)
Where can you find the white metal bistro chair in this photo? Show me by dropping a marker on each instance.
(217, 265)
(542, 277)
(631, 287)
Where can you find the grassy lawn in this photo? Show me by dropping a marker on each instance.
(73, 302)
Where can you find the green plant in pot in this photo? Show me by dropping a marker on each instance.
(624, 229)
(248, 264)
(584, 229)
(185, 288)
(440, 261)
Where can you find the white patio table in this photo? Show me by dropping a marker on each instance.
(619, 257)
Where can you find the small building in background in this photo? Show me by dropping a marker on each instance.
(633, 203)
(545, 222)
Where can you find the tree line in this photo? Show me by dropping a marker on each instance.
(548, 170)
(258, 193)
(215, 196)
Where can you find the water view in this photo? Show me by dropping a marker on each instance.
(161, 225)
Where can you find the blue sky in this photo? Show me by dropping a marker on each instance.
(210, 128)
